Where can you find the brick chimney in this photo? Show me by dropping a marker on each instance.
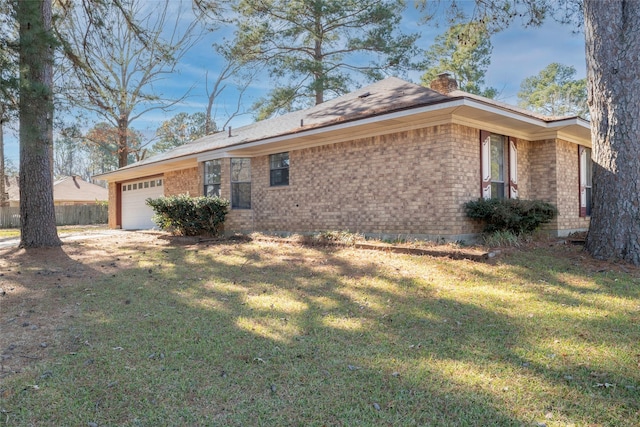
(444, 83)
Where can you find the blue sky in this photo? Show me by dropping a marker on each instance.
(517, 53)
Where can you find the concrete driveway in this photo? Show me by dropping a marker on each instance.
(10, 242)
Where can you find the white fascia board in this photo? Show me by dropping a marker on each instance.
(220, 153)
(541, 129)
(148, 169)
(259, 147)
(490, 127)
(571, 121)
(526, 118)
(340, 126)
(250, 149)
(504, 113)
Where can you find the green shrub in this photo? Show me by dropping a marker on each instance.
(514, 215)
(189, 216)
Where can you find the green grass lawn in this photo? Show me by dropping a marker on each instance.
(259, 333)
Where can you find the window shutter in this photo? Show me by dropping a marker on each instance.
(582, 157)
(513, 169)
(485, 161)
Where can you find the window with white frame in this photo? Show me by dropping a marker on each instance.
(499, 159)
(212, 177)
(241, 183)
(586, 176)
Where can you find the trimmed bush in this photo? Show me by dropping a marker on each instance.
(514, 215)
(189, 216)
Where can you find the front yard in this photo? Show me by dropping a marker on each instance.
(146, 330)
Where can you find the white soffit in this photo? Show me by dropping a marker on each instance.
(150, 169)
(460, 111)
(414, 118)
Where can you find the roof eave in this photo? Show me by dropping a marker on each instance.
(574, 129)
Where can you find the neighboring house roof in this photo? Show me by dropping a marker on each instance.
(75, 189)
(67, 189)
(383, 106)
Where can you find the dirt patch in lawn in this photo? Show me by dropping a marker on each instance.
(39, 287)
(36, 306)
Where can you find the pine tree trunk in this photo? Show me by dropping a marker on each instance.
(123, 143)
(613, 48)
(319, 75)
(38, 221)
(3, 190)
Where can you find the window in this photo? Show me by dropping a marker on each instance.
(212, 174)
(586, 175)
(241, 183)
(279, 169)
(499, 159)
(497, 167)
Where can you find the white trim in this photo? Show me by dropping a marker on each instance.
(513, 169)
(583, 180)
(454, 104)
(486, 166)
(452, 111)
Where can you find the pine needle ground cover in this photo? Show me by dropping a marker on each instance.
(146, 330)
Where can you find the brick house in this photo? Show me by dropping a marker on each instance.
(390, 159)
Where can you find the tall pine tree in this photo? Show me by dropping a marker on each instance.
(465, 51)
(38, 221)
(314, 49)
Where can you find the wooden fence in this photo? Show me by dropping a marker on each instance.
(65, 215)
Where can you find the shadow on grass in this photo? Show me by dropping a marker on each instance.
(35, 284)
(248, 334)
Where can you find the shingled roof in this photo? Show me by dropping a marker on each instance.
(390, 94)
(378, 99)
(76, 189)
(67, 189)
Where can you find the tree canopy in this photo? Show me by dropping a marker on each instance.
(555, 92)
(179, 130)
(118, 53)
(464, 50)
(313, 48)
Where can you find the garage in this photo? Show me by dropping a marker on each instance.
(136, 215)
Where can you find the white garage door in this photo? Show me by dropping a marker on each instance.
(136, 215)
